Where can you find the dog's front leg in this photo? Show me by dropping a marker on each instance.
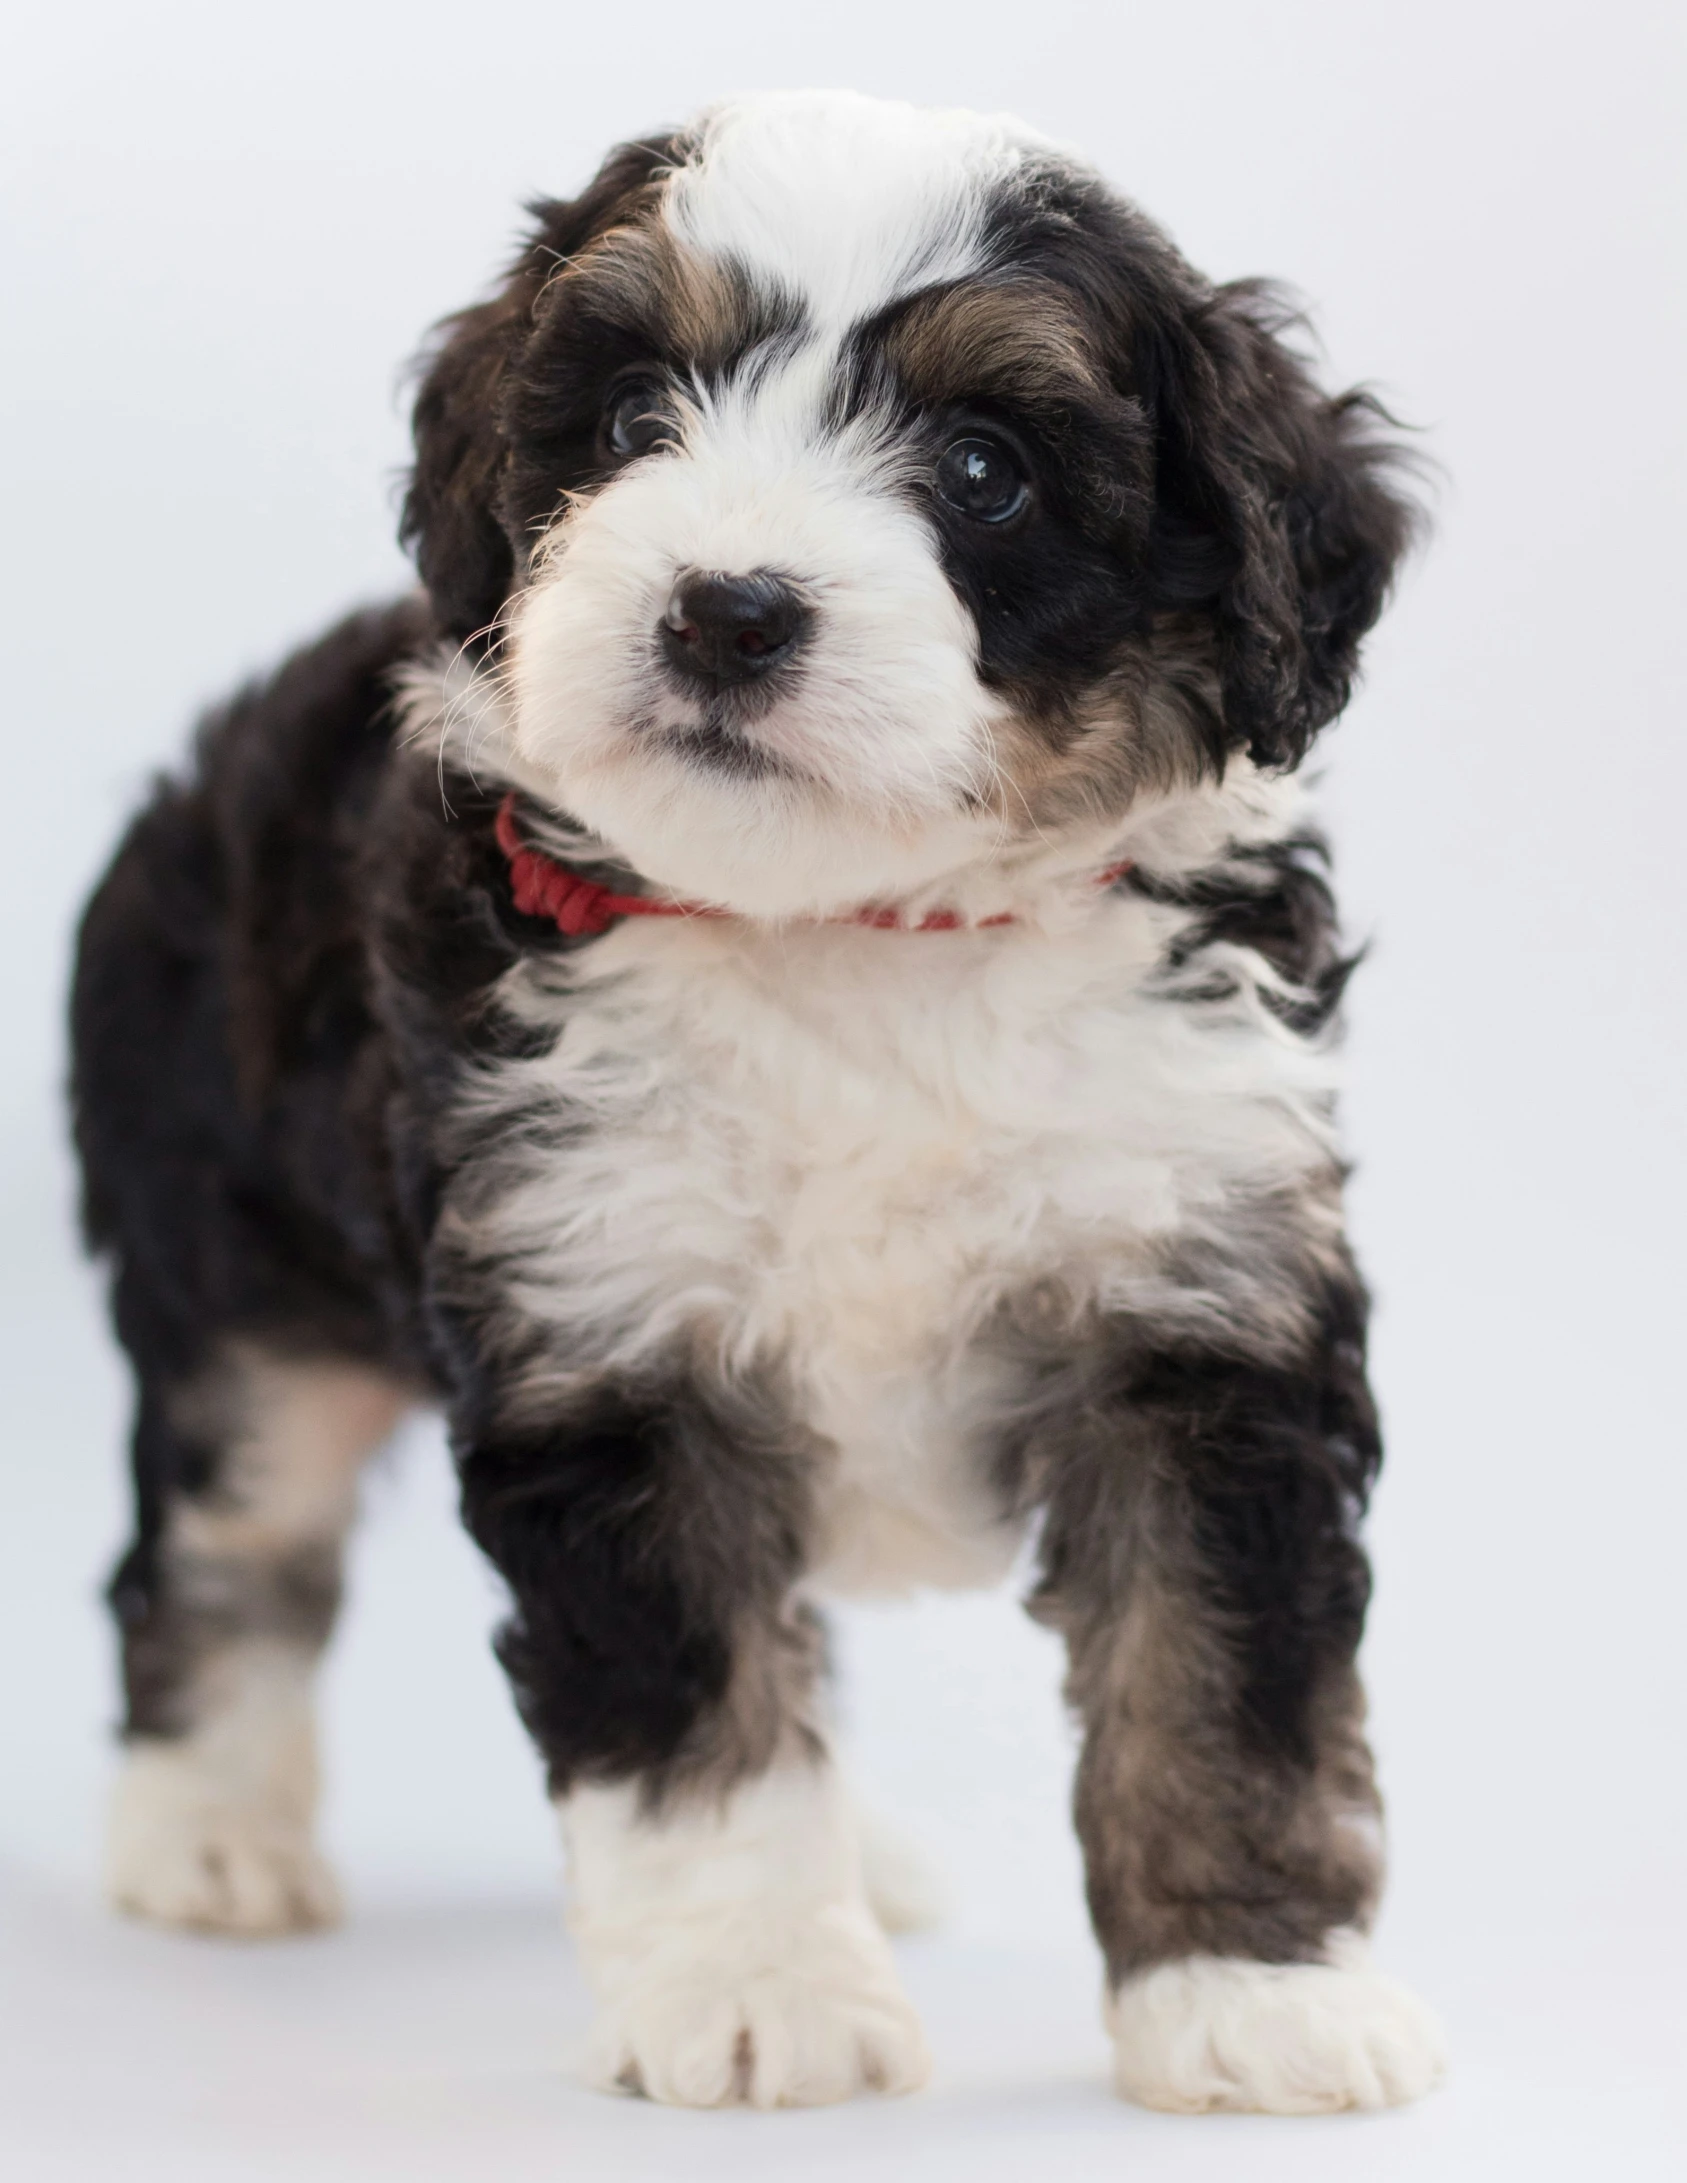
(1200, 1557)
(653, 1545)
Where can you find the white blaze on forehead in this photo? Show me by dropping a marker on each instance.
(847, 201)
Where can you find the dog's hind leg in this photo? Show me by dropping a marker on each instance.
(903, 1885)
(246, 1485)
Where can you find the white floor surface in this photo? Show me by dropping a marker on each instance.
(428, 2040)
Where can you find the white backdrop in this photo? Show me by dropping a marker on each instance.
(224, 229)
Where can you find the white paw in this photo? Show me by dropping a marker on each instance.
(181, 1852)
(1271, 2038)
(764, 2018)
(902, 1884)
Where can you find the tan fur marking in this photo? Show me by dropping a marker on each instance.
(296, 1435)
(692, 309)
(1189, 1851)
(1013, 336)
(771, 1713)
(1131, 739)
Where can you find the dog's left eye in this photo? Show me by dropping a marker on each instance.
(638, 419)
(983, 479)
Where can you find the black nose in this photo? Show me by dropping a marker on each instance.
(732, 628)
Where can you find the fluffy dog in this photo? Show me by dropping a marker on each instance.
(791, 992)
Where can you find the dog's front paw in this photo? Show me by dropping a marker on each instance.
(797, 2014)
(181, 1851)
(1272, 2038)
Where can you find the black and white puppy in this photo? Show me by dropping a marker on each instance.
(791, 993)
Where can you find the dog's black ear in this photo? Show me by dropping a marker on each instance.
(450, 518)
(1277, 512)
(453, 517)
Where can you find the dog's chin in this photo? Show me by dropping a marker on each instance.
(718, 745)
(715, 817)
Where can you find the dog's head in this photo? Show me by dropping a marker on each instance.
(842, 491)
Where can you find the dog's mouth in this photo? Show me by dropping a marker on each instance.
(720, 740)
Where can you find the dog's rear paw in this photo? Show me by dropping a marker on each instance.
(178, 1853)
(902, 1883)
(1272, 2038)
(816, 2019)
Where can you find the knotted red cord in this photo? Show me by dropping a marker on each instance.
(582, 907)
(577, 906)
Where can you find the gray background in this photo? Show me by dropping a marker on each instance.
(224, 229)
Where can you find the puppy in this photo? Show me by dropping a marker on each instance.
(790, 991)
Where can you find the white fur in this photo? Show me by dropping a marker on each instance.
(732, 1947)
(836, 1150)
(904, 1887)
(214, 1829)
(846, 201)
(1280, 2039)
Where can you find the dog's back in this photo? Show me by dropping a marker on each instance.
(220, 1012)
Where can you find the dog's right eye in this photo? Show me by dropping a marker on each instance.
(638, 418)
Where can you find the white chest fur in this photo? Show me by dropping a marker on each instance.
(833, 1152)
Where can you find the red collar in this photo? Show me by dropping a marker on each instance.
(582, 907)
